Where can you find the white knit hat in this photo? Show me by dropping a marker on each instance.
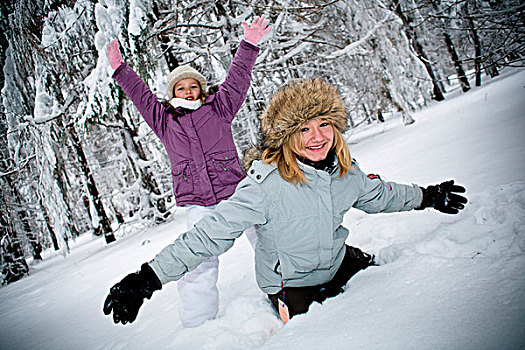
(183, 72)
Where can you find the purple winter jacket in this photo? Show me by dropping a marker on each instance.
(205, 166)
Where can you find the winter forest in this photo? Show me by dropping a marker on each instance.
(76, 157)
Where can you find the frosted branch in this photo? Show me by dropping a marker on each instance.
(356, 44)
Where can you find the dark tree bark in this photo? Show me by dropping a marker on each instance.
(50, 228)
(380, 117)
(60, 176)
(168, 55)
(22, 217)
(475, 40)
(105, 224)
(418, 48)
(465, 85)
(13, 265)
(228, 29)
(451, 48)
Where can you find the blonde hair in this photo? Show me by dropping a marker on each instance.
(285, 157)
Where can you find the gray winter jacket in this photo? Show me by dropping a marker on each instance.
(301, 240)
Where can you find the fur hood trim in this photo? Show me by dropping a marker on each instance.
(296, 103)
(251, 154)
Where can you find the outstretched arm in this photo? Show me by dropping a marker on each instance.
(211, 236)
(253, 33)
(113, 53)
(378, 196)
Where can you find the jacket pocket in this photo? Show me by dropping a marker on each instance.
(294, 268)
(226, 167)
(182, 179)
(297, 243)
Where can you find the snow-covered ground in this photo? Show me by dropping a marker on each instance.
(447, 282)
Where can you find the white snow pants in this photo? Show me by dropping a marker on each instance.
(198, 293)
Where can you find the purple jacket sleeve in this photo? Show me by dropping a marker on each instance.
(232, 92)
(153, 112)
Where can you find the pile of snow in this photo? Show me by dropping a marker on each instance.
(446, 282)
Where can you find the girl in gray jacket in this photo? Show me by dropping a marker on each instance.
(301, 181)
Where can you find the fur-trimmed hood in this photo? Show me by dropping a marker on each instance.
(291, 106)
(251, 154)
(296, 103)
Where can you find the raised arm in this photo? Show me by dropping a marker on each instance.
(142, 97)
(232, 92)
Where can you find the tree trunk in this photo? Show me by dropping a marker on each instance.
(17, 210)
(118, 214)
(23, 217)
(407, 119)
(451, 48)
(107, 231)
(12, 262)
(227, 30)
(14, 265)
(477, 43)
(465, 85)
(380, 117)
(170, 58)
(418, 48)
(52, 233)
(60, 176)
(490, 67)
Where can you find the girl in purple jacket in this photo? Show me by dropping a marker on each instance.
(195, 129)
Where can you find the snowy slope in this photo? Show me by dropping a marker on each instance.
(447, 282)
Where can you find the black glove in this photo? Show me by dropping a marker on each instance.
(442, 197)
(126, 297)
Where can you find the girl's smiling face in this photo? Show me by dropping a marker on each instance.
(315, 139)
(188, 89)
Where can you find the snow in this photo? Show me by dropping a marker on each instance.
(446, 282)
(138, 17)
